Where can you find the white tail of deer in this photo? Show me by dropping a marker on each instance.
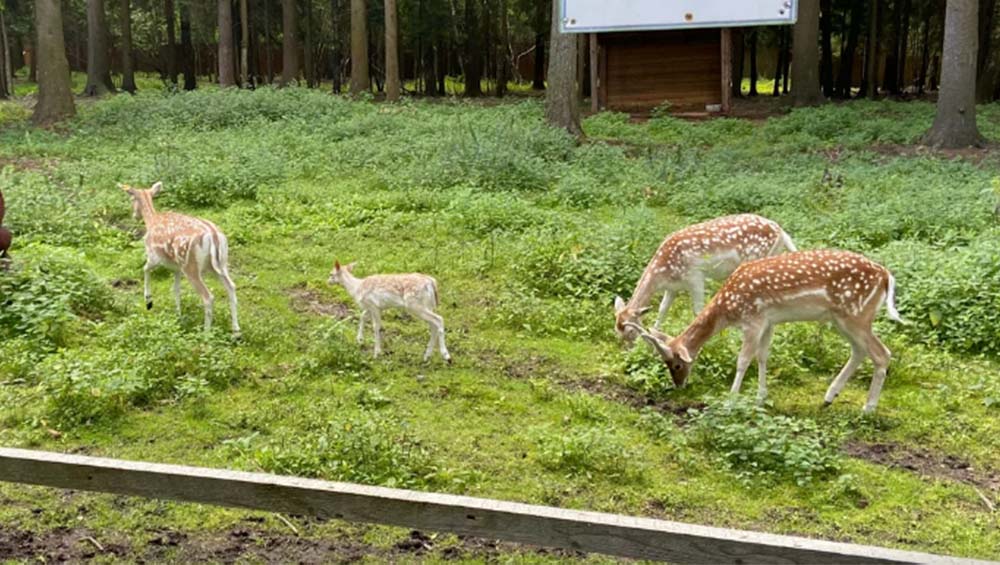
(686, 258)
(183, 244)
(844, 288)
(413, 292)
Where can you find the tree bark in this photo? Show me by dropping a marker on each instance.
(473, 50)
(955, 123)
(6, 70)
(845, 78)
(805, 55)
(904, 37)
(753, 62)
(290, 42)
(268, 66)
(503, 53)
(739, 53)
(538, 79)
(392, 82)
(826, 61)
(890, 82)
(336, 54)
(187, 49)
(168, 18)
(984, 80)
(128, 71)
(562, 105)
(308, 68)
(227, 75)
(55, 101)
(98, 57)
(780, 65)
(925, 57)
(871, 51)
(360, 78)
(244, 45)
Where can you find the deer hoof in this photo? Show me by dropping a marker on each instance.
(149, 305)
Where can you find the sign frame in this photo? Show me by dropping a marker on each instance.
(567, 23)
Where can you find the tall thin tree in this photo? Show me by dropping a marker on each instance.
(336, 52)
(753, 62)
(227, 74)
(826, 51)
(128, 70)
(538, 78)
(169, 16)
(187, 48)
(805, 55)
(289, 42)
(55, 100)
(871, 51)
(6, 69)
(98, 54)
(244, 45)
(392, 86)
(473, 50)
(360, 78)
(955, 123)
(562, 105)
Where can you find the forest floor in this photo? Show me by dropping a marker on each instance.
(531, 235)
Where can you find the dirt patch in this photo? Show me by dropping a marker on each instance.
(307, 301)
(25, 164)
(924, 462)
(615, 392)
(62, 544)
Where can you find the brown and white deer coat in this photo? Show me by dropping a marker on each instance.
(841, 287)
(686, 258)
(414, 292)
(183, 244)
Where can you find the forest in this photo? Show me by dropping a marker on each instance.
(474, 161)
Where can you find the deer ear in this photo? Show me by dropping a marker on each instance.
(349, 267)
(336, 265)
(658, 346)
(619, 304)
(683, 353)
(157, 188)
(126, 188)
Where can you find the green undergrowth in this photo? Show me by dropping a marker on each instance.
(530, 235)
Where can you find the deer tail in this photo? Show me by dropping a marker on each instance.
(787, 241)
(890, 301)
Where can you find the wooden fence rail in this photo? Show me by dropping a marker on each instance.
(595, 532)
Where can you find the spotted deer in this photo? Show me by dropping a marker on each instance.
(686, 258)
(841, 287)
(413, 292)
(183, 244)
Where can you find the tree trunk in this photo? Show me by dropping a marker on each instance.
(985, 84)
(392, 85)
(753, 62)
(780, 65)
(538, 80)
(227, 75)
(787, 74)
(904, 36)
(187, 49)
(55, 101)
(562, 105)
(925, 57)
(871, 51)
(845, 78)
(168, 18)
(473, 51)
(889, 82)
(503, 53)
(336, 54)
(244, 45)
(309, 69)
(290, 42)
(128, 72)
(739, 53)
(7, 78)
(269, 68)
(98, 57)
(955, 123)
(360, 79)
(826, 61)
(805, 55)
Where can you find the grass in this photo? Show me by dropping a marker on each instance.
(530, 236)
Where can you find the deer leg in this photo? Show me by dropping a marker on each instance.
(230, 286)
(880, 358)
(668, 299)
(177, 291)
(857, 357)
(763, 351)
(751, 338)
(361, 327)
(436, 323)
(697, 293)
(207, 300)
(377, 330)
(147, 291)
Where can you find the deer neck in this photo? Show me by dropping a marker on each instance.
(351, 283)
(147, 211)
(707, 324)
(644, 289)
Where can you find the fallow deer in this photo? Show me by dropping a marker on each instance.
(841, 287)
(413, 292)
(5, 235)
(183, 244)
(709, 250)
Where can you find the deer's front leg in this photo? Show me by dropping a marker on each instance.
(177, 291)
(751, 339)
(697, 287)
(668, 299)
(361, 327)
(147, 291)
(763, 350)
(377, 330)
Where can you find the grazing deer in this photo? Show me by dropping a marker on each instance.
(183, 244)
(709, 250)
(414, 292)
(5, 235)
(836, 286)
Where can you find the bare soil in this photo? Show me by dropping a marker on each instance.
(924, 462)
(308, 301)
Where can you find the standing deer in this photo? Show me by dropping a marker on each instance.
(5, 235)
(836, 286)
(183, 244)
(414, 292)
(709, 250)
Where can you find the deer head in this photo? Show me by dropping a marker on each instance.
(626, 315)
(141, 197)
(674, 355)
(338, 271)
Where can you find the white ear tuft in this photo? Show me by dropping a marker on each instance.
(619, 304)
(156, 188)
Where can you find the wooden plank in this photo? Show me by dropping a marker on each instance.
(595, 105)
(610, 534)
(727, 69)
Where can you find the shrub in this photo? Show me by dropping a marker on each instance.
(758, 445)
(592, 452)
(47, 293)
(524, 310)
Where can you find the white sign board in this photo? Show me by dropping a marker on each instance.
(596, 16)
